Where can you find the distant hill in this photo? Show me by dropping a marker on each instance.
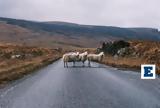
(68, 34)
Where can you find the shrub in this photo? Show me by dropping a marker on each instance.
(113, 47)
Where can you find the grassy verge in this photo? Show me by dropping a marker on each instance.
(126, 63)
(122, 63)
(17, 72)
(30, 60)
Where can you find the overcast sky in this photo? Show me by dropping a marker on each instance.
(123, 13)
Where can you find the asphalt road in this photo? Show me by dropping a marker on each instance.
(81, 87)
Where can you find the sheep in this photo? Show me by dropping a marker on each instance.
(95, 57)
(83, 57)
(15, 56)
(70, 57)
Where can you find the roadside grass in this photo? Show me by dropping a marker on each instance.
(15, 68)
(127, 63)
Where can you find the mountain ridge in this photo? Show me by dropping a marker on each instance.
(77, 34)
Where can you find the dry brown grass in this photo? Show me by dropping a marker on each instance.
(121, 62)
(12, 69)
(127, 63)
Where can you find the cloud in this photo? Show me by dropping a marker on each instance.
(124, 13)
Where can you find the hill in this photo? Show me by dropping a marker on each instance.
(60, 34)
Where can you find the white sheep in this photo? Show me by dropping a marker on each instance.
(15, 56)
(70, 57)
(95, 57)
(83, 57)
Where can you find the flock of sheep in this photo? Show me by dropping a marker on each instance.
(81, 57)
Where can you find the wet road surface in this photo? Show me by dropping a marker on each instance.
(81, 87)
